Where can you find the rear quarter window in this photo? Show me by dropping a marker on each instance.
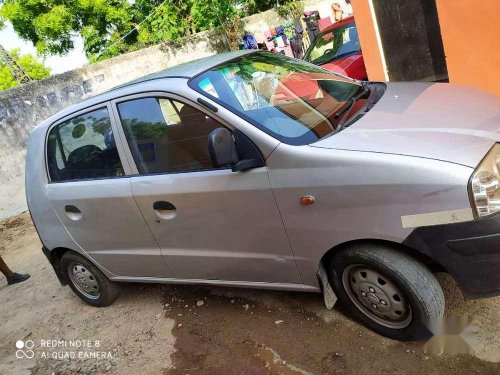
(83, 148)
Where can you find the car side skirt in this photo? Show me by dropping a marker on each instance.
(225, 283)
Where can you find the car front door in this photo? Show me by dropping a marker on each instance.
(90, 191)
(211, 223)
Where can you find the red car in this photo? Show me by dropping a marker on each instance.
(337, 49)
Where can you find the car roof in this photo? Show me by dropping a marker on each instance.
(186, 70)
(337, 24)
(189, 69)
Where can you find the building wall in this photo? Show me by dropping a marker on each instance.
(470, 31)
(256, 24)
(411, 40)
(369, 39)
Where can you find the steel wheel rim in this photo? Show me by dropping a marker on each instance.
(377, 296)
(84, 280)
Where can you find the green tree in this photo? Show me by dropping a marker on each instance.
(173, 19)
(163, 21)
(207, 14)
(33, 68)
(112, 27)
(256, 6)
(52, 24)
(6, 78)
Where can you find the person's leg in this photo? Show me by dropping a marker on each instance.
(12, 277)
(5, 270)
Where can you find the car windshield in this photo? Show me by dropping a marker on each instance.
(333, 44)
(295, 102)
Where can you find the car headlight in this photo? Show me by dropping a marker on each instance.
(485, 184)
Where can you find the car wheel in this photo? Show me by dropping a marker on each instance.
(390, 292)
(87, 281)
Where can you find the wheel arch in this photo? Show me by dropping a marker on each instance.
(414, 253)
(54, 256)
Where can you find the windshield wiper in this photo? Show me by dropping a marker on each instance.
(350, 103)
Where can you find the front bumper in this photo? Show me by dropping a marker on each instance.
(469, 251)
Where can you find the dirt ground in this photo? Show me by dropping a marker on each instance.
(166, 329)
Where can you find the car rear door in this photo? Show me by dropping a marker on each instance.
(90, 191)
(211, 224)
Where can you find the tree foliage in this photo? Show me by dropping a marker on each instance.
(162, 21)
(52, 24)
(112, 27)
(256, 6)
(32, 67)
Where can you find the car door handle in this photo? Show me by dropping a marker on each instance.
(163, 206)
(73, 212)
(164, 210)
(72, 209)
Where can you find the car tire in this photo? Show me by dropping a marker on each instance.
(388, 291)
(87, 281)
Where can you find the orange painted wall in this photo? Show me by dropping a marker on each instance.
(367, 37)
(471, 37)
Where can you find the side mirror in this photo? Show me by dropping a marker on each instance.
(222, 148)
(233, 149)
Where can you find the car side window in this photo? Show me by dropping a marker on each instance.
(83, 148)
(166, 135)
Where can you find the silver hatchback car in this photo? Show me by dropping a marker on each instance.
(251, 169)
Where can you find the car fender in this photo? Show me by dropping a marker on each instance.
(357, 196)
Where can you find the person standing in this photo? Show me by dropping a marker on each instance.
(337, 12)
(12, 277)
(341, 9)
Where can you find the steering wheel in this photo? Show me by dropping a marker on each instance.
(329, 50)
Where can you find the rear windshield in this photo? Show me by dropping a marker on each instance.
(295, 102)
